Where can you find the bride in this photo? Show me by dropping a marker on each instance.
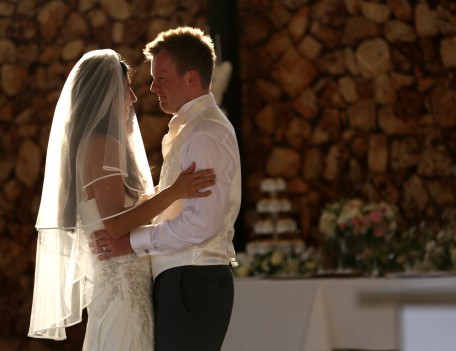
(97, 176)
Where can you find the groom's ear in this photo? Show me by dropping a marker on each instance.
(192, 77)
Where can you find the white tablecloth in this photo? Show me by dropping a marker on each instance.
(316, 314)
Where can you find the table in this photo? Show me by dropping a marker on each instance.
(420, 308)
(317, 314)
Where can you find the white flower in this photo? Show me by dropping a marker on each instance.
(242, 271)
(431, 246)
(328, 224)
(277, 258)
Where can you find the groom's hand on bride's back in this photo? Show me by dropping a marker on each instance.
(105, 246)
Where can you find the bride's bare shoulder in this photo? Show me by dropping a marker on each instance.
(98, 147)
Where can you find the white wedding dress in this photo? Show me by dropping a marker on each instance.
(120, 308)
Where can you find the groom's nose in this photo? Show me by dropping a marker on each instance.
(153, 86)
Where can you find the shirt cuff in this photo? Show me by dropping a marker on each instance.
(141, 242)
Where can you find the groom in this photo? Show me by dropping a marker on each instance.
(191, 242)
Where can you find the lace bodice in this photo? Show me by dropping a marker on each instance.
(121, 289)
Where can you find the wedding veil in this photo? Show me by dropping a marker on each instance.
(92, 119)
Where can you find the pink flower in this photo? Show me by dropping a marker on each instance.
(375, 216)
(380, 231)
(357, 221)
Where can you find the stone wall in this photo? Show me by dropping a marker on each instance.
(350, 98)
(40, 42)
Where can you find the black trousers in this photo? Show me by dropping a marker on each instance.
(192, 306)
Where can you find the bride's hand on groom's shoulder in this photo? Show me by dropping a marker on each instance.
(105, 246)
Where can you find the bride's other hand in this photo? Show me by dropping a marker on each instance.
(189, 183)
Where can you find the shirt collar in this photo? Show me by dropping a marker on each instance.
(182, 116)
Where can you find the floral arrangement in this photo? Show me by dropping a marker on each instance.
(428, 247)
(361, 237)
(364, 236)
(278, 258)
(359, 233)
(354, 217)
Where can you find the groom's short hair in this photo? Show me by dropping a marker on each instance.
(190, 49)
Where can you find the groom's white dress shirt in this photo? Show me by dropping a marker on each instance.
(196, 231)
